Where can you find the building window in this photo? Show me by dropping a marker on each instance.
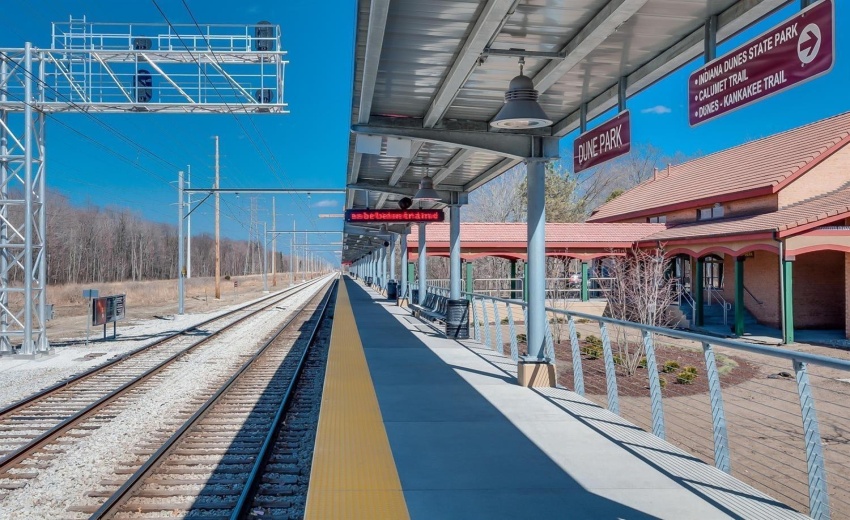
(657, 220)
(715, 211)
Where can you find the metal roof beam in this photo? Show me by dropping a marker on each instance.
(453, 164)
(496, 170)
(734, 19)
(489, 23)
(404, 162)
(378, 11)
(517, 146)
(406, 190)
(606, 21)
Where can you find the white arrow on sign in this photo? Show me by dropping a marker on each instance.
(809, 43)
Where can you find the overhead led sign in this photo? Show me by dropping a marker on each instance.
(394, 215)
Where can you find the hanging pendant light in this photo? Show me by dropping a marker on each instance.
(426, 190)
(521, 110)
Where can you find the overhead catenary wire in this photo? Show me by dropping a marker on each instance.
(269, 163)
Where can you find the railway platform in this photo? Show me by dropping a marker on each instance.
(414, 425)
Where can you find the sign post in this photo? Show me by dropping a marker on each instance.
(611, 139)
(89, 294)
(795, 51)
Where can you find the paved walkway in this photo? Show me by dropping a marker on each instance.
(467, 442)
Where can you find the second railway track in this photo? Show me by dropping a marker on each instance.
(222, 460)
(31, 425)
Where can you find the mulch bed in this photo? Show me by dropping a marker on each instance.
(734, 371)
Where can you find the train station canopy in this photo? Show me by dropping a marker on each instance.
(430, 76)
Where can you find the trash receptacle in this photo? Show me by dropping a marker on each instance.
(457, 319)
(392, 290)
(414, 296)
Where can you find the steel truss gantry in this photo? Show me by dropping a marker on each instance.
(107, 68)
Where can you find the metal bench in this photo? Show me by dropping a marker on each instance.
(435, 307)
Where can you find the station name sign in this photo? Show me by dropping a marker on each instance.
(797, 50)
(605, 142)
(394, 215)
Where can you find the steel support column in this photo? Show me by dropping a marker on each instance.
(454, 253)
(423, 265)
(5, 344)
(536, 259)
(739, 296)
(392, 257)
(404, 268)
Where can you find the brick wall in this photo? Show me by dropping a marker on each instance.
(823, 178)
(847, 295)
(819, 301)
(735, 208)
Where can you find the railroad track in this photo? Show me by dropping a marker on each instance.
(223, 459)
(30, 427)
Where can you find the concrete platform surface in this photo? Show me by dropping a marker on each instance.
(468, 442)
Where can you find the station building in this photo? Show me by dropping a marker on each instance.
(766, 224)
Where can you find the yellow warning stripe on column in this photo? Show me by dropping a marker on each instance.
(353, 475)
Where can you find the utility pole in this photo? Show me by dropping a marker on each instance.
(181, 268)
(274, 247)
(189, 223)
(217, 231)
(294, 258)
(265, 255)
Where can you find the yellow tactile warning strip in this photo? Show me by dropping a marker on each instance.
(353, 475)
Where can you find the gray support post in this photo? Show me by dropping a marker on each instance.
(454, 252)
(610, 370)
(654, 387)
(621, 94)
(718, 416)
(180, 252)
(5, 344)
(42, 346)
(818, 496)
(578, 374)
(536, 259)
(27, 345)
(710, 38)
(423, 264)
(512, 331)
(392, 257)
(404, 261)
(500, 343)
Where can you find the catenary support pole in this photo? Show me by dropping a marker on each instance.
(217, 228)
(423, 265)
(454, 252)
(181, 267)
(265, 257)
(189, 223)
(27, 346)
(5, 344)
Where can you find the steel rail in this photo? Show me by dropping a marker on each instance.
(14, 458)
(249, 489)
(66, 383)
(124, 493)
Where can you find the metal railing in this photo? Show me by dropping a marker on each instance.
(712, 295)
(748, 409)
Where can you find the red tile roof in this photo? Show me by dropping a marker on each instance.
(786, 219)
(756, 168)
(490, 232)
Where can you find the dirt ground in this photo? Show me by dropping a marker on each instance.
(146, 300)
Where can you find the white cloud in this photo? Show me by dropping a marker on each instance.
(657, 109)
(327, 203)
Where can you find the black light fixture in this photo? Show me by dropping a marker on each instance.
(521, 110)
(426, 190)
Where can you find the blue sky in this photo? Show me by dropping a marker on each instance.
(311, 143)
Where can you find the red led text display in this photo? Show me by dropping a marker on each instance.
(394, 215)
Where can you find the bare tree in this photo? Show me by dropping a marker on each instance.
(639, 291)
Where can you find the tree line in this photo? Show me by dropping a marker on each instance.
(93, 244)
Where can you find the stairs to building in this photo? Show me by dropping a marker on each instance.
(713, 319)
